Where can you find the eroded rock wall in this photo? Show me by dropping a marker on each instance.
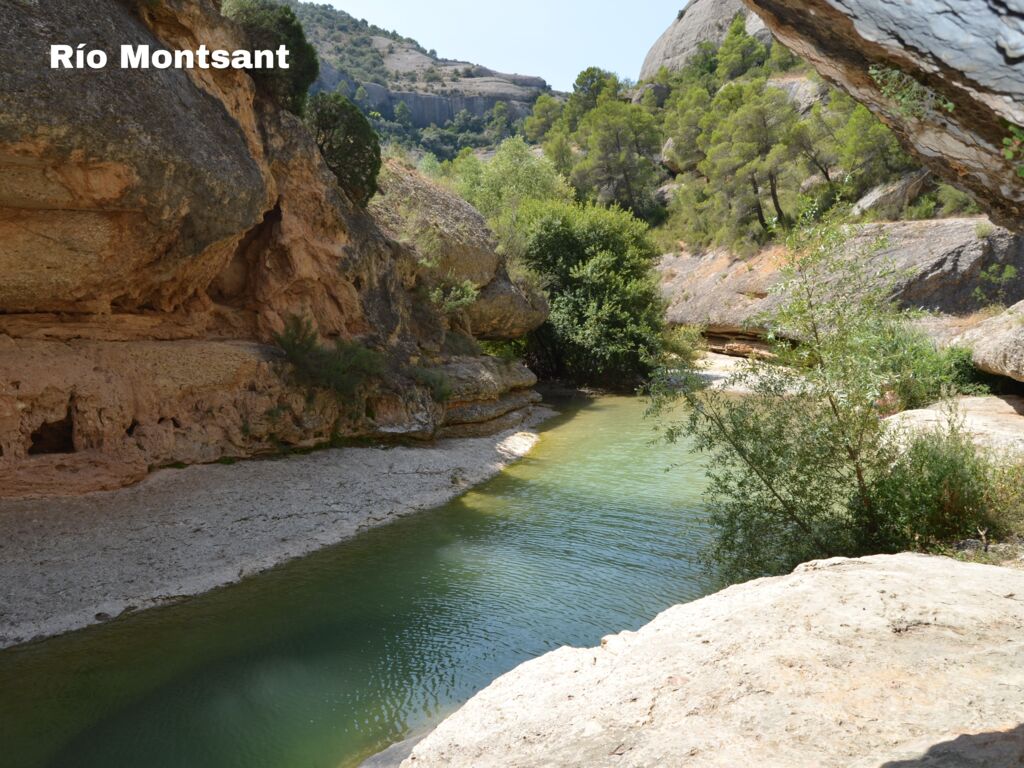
(157, 229)
(967, 54)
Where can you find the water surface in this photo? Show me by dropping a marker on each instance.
(327, 659)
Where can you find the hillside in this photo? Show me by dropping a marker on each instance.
(393, 69)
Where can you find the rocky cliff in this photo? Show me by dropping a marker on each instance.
(939, 267)
(946, 75)
(157, 228)
(700, 21)
(889, 661)
(394, 69)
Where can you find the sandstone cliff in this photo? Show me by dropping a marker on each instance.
(700, 21)
(157, 228)
(946, 75)
(890, 661)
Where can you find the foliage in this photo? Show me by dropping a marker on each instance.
(911, 98)
(606, 316)
(348, 143)
(996, 280)
(546, 111)
(344, 369)
(452, 297)
(435, 380)
(1013, 147)
(270, 25)
(739, 51)
(805, 466)
(619, 145)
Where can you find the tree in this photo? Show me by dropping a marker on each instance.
(269, 25)
(620, 143)
(868, 151)
(499, 123)
(348, 143)
(591, 84)
(805, 466)
(606, 316)
(739, 51)
(546, 111)
(403, 115)
(745, 152)
(683, 127)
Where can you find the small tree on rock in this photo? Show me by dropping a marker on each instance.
(348, 143)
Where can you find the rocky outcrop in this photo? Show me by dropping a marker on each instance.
(992, 422)
(453, 243)
(155, 236)
(889, 200)
(700, 21)
(901, 660)
(961, 88)
(938, 266)
(998, 343)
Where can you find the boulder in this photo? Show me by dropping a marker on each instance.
(700, 21)
(889, 200)
(961, 58)
(900, 660)
(938, 263)
(454, 244)
(998, 343)
(992, 422)
(803, 91)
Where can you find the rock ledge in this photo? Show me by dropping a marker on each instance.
(902, 660)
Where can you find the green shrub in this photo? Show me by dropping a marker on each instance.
(933, 494)
(995, 280)
(451, 297)
(270, 25)
(344, 369)
(606, 315)
(348, 143)
(435, 380)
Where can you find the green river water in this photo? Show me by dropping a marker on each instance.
(323, 661)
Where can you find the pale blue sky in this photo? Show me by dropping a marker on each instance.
(554, 39)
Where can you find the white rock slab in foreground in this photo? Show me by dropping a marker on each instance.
(894, 661)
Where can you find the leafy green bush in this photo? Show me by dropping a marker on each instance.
(344, 369)
(435, 380)
(348, 143)
(270, 25)
(451, 297)
(606, 316)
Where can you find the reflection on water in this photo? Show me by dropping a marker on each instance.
(330, 658)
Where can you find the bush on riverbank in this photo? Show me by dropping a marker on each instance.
(806, 467)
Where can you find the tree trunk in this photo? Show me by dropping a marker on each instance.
(757, 203)
(773, 185)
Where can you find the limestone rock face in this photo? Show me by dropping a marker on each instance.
(888, 660)
(701, 21)
(938, 262)
(157, 229)
(893, 197)
(998, 343)
(966, 53)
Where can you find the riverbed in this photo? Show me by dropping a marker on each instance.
(329, 658)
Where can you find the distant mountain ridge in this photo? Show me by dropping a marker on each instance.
(393, 68)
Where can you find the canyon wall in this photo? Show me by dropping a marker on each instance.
(157, 229)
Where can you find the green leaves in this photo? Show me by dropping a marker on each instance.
(348, 143)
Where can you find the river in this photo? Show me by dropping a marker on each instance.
(325, 660)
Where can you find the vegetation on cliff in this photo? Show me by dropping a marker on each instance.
(270, 25)
(348, 143)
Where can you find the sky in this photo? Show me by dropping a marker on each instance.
(555, 39)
